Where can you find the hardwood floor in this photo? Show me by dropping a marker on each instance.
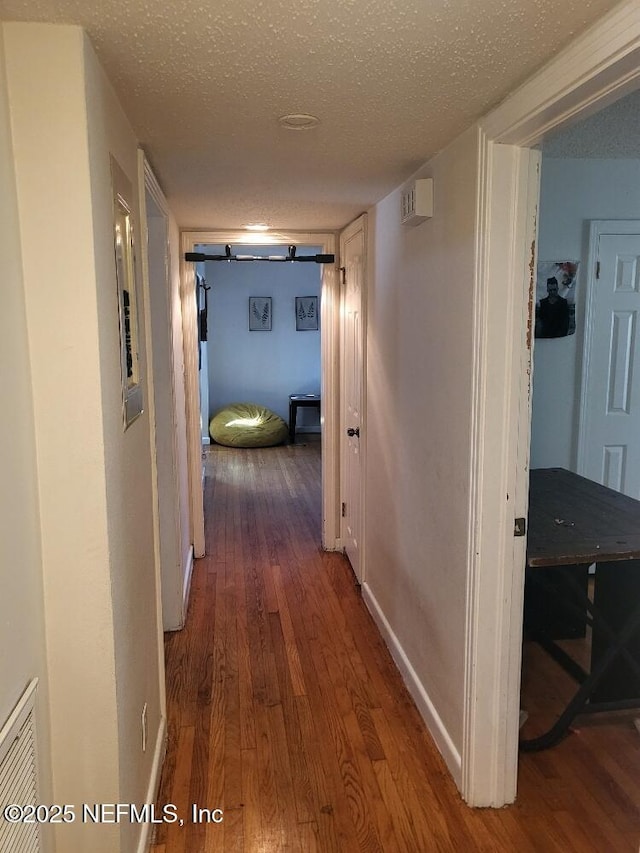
(286, 711)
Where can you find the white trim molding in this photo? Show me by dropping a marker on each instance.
(192, 394)
(507, 205)
(154, 784)
(591, 72)
(186, 587)
(329, 344)
(147, 183)
(426, 708)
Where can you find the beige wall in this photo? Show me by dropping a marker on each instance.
(22, 636)
(127, 457)
(419, 426)
(94, 478)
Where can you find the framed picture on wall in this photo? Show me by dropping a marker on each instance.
(306, 313)
(259, 313)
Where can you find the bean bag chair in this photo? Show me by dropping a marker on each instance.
(247, 425)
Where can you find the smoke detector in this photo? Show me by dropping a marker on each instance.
(299, 121)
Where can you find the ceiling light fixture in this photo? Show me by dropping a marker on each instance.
(257, 226)
(299, 121)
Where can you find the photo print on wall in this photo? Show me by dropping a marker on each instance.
(556, 299)
(306, 313)
(259, 313)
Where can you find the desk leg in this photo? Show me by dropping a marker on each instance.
(618, 644)
(545, 602)
(293, 414)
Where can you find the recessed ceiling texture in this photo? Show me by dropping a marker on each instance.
(391, 82)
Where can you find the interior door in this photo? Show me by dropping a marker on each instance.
(610, 421)
(352, 254)
(171, 497)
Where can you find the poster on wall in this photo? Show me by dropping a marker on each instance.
(306, 313)
(556, 299)
(259, 313)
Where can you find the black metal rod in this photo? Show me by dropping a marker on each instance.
(196, 257)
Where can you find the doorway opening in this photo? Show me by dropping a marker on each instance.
(283, 326)
(588, 174)
(599, 67)
(586, 393)
(262, 337)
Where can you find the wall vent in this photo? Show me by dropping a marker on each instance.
(416, 202)
(19, 774)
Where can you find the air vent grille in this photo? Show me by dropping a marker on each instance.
(18, 774)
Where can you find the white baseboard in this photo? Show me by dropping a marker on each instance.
(418, 693)
(186, 586)
(154, 784)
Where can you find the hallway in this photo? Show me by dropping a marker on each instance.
(286, 711)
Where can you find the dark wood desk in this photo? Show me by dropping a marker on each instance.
(574, 522)
(295, 402)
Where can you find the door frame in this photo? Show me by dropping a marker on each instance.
(330, 364)
(359, 224)
(147, 183)
(594, 70)
(597, 228)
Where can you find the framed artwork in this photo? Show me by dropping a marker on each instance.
(259, 313)
(556, 299)
(124, 245)
(306, 313)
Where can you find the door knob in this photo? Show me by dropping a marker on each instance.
(351, 432)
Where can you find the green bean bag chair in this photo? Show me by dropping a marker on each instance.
(247, 425)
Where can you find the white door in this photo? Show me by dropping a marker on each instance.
(163, 414)
(609, 450)
(172, 540)
(352, 258)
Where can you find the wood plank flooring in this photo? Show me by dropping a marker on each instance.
(286, 711)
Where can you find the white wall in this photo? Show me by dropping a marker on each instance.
(572, 193)
(48, 112)
(261, 367)
(165, 313)
(94, 478)
(128, 457)
(164, 420)
(22, 635)
(418, 423)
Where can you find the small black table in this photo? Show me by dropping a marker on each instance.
(295, 402)
(573, 523)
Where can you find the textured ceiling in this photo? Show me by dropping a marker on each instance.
(392, 82)
(613, 133)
